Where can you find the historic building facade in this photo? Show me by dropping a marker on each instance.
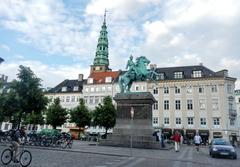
(237, 98)
(194, 98)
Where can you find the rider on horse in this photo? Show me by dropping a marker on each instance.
(131, 66)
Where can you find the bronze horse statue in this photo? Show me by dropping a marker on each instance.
(137, 72)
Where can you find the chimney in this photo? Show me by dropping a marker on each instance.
(201, 64)
(153, 66)
(80, 77)
(222, 73)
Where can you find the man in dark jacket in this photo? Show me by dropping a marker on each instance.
(16, 141)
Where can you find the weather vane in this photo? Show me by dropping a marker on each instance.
(105, 12)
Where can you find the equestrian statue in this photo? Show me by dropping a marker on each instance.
(136, 72)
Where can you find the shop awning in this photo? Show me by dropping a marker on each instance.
(203, 132)
(217, 134)
(179, 130)
(166, 130)
(191, 132)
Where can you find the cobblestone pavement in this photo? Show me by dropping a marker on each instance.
(86, 154)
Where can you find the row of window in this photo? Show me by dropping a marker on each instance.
(75, 88)
(180, 74)
(98, 89)
(87, 99)
(177, 89)
(107, 80)
(190, 121)
(93, 99)
(66, 98)
(166, 90)
(202, 104)
(102, 48)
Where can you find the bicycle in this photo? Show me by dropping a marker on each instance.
(25, 156)
(67, 143)
(67, 140)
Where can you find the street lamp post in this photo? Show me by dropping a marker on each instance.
(132, 115)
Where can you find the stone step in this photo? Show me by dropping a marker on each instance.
(133, 131)
(125, 141)
(128, 137)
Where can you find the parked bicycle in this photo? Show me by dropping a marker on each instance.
(67, 140)
(24, 156)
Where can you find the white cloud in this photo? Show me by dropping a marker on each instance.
(187, 59)
(119, 9)
(178, 39)
(50, 75)
(169, 33)
(5, 47)
(188, 11)
(154, 30)
(47, 25)
(230, 63)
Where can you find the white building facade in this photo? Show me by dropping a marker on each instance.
(237, 99)
(200, 102)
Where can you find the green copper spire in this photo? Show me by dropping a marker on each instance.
(101, 58)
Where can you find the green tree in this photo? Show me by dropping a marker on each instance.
(80, 115)
(29, 97)
(56, 114)
(34, 118)
(105, 115)
(3, 97)
(9, 106)
(2, 113)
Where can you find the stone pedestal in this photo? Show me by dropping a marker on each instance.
(139, 127)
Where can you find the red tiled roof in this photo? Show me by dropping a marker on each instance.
(99, 77)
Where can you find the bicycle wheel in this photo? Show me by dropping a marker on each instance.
(6, 156)
(25, 158)
(64, 144)
(70, 144)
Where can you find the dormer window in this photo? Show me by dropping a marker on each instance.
(108, 79)
(90, 80)
(75, 88)
(178, 75)
(161, 76)
(197, 74)
(64, 89)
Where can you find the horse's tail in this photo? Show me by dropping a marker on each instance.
(120, 82)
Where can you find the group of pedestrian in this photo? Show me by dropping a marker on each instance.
(177, 139)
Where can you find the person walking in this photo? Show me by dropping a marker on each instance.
(197, 141)
(162, 141)
(177, 139)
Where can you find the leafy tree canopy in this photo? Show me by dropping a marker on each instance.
(80, 115)
(56, 114)
(105, 114)
(24, 96)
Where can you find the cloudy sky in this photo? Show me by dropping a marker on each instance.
(57, 38)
